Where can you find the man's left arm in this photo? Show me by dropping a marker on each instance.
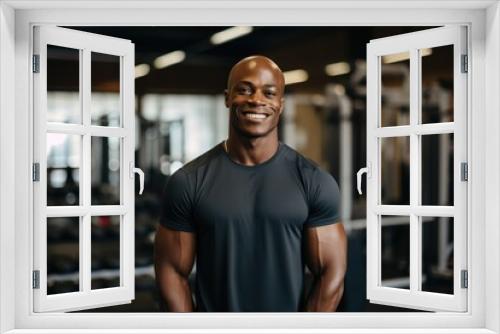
(326, 257)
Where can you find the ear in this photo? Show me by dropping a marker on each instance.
(226, 98)
(282, 106)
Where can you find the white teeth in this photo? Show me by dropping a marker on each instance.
(259, 116)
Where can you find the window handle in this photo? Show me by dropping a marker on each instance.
(366, 170)
(139, 171)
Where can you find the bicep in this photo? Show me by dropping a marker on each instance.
(326, 248)
(175, 249)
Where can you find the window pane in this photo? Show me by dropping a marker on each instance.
(63, 169)
(105, 77)
(105, 170)
(437, 169)
(105, 249)
(437, 254)
(395, 89)
(63, 254)
(63, 84)
(395, 251)
(437, 84)
(395, 170)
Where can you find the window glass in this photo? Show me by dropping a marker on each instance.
(105, 99)
(437, 84)
(105, 252)
(395, 89)
(395, 251)
(437, 254)
(63, 255)
(67, 61)
(105, 172)
(437, 169)
(395, 169)
(63, 169)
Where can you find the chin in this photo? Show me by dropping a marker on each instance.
(254, 133)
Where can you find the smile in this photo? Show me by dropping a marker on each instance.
(255, 116)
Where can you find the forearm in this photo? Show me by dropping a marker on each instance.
(174, 290)
(325, 294)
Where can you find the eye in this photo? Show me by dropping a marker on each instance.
(243, 90)
(270, 93)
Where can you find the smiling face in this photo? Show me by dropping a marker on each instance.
(254, 96)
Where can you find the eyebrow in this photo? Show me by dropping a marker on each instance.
(251, 84)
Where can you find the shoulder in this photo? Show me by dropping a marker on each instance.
(312, 175)
(299, 160)
(306, 167)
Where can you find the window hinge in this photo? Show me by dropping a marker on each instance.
(464, 171)
(36, 172)
(465, 66)
(36, 279)
(464, 279)
(36, 63)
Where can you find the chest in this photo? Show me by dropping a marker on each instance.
(233, 197)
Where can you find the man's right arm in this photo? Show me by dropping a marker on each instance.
(174, 259)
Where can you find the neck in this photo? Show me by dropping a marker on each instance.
(251, 151)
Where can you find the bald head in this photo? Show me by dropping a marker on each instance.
(254, 64)
(255, 96)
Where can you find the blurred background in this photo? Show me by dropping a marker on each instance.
(181, 74)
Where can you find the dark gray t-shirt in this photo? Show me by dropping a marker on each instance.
(249, 223)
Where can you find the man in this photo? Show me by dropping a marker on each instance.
(252, 212)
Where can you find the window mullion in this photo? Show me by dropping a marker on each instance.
(85, 240)
(415, 271)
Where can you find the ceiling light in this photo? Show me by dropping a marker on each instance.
(295, 76)
(337, 68)
(169, 59)
(397, 57)
(141, 70)
(229, 34)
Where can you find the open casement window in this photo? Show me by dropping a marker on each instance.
(417, 169)
(83, 143)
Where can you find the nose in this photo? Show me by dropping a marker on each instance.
(256, 98)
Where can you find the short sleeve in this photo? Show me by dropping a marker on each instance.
(324, 200)
(176, 206)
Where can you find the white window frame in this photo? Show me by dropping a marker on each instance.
(84, 43)
(412, 43)
(16, 21)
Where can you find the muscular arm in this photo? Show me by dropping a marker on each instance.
(174, 259)
(326, 257)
